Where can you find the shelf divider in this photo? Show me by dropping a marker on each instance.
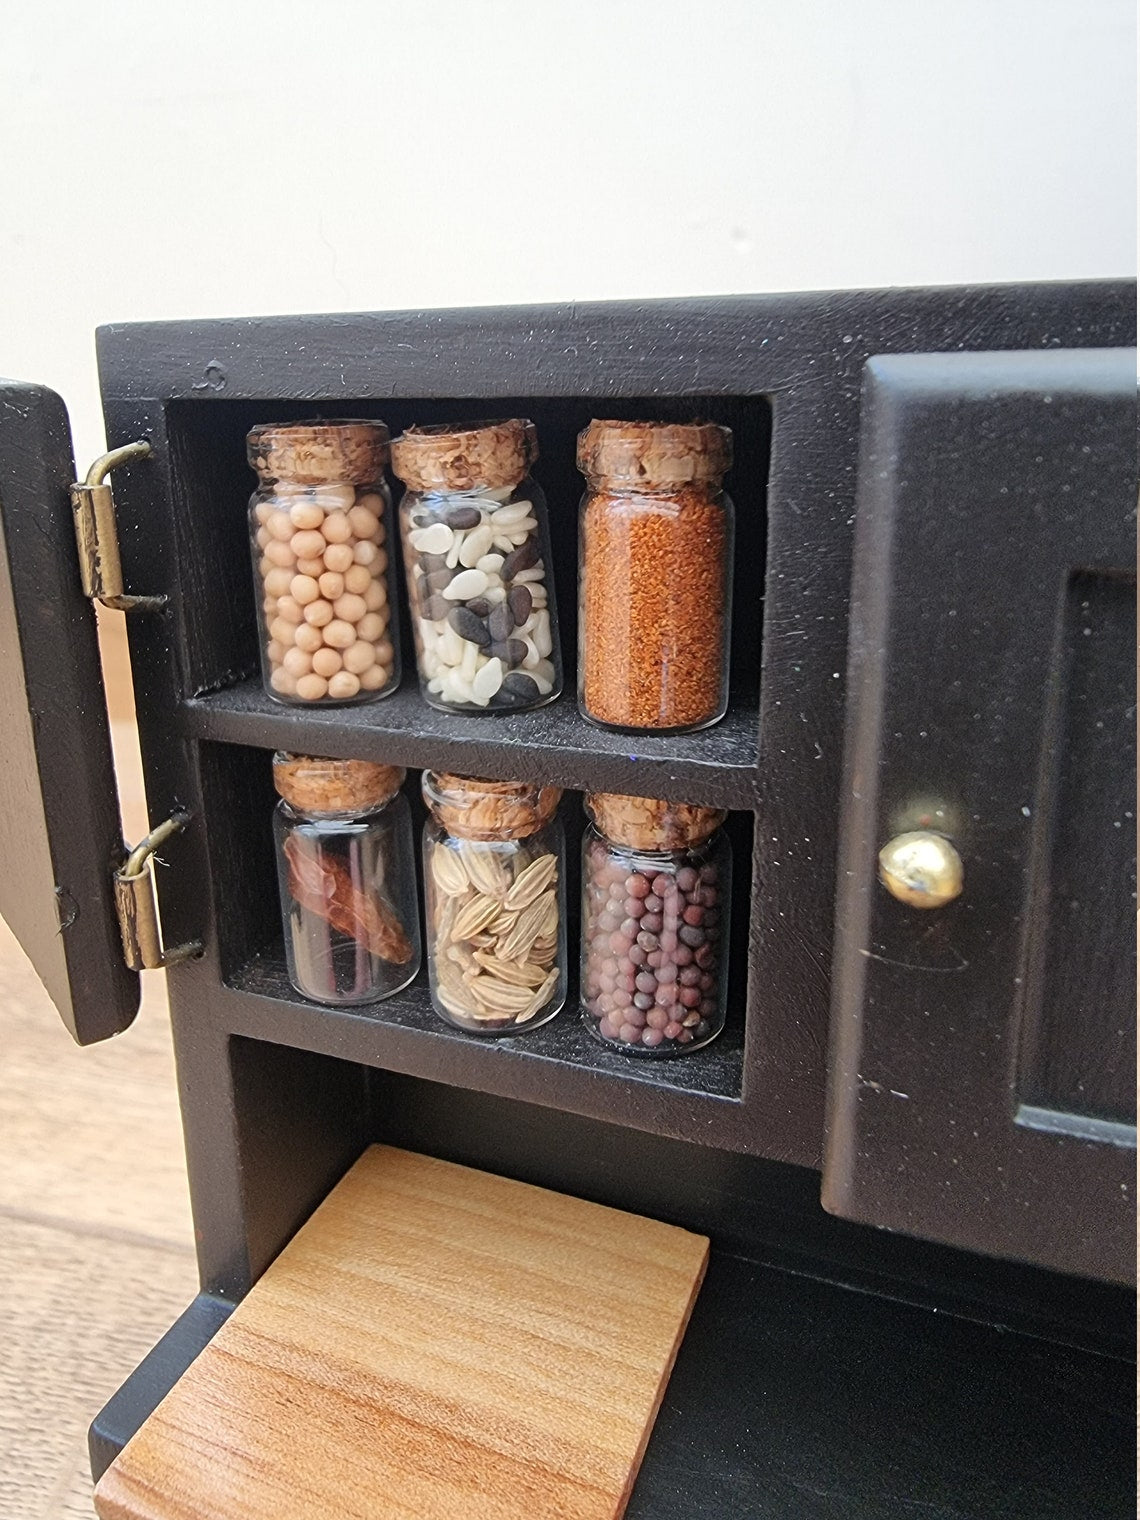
(554, 744)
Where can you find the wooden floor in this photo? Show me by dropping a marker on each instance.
(96, 1253)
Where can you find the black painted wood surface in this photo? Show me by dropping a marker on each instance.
(984, 1053)
(792, 1400)
(60, 836)
(153, 1379)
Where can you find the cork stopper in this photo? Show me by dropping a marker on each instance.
(316, 453)
(648, 454)
(649, 823)
(471, 455)
(311, 784)
(471, 808)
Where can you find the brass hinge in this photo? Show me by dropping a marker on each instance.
(136, 903)
(100, 568)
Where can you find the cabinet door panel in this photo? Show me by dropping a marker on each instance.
(984, 1052)
(60, 836)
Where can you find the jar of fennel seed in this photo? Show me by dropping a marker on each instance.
(655, 566)
(477, 557)
(495, 902)
(319, 529)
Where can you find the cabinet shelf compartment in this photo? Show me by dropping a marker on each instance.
(558, 1065)
(211, 483)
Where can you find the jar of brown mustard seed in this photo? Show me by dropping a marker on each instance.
(656, 880)
(494, 884)
(655, 557)
(319, 526)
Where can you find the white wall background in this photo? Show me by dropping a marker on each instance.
(251, 156)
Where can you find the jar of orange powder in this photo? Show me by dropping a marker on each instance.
(655, 558)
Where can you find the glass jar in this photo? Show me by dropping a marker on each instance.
(655, 579)
(477, 559)
(318, 521)
(347, 873)
(656, 883)
(494, 880)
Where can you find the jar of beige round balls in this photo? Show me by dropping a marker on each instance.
(323, 574)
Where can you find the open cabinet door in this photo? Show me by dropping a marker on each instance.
(60, 835)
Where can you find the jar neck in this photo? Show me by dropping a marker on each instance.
(650, 823)
(454, 829)
(503, 489)
(315, 487)
(620, 485)
(662, 852)
(320, 815)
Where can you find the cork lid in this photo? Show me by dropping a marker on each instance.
(654, 453)
(312, 784)
(315, 453)
(464, 456)
(471, 808)
(650, 823)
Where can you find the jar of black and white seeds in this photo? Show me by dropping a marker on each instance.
(495, 902)
(319, 527)
(477, 556)
(656, 879)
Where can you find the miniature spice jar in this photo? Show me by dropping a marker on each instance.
(655, 555)
(656, 881)
(318, 521)
(477, 555)
(346, 870)
(494, 880)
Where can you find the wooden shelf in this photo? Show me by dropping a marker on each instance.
(556, 1066)
(410, 1352)
(553, 744)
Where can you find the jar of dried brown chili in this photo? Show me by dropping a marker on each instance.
(346, 868)
(655, 559)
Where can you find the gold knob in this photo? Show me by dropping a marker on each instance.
(921, 868)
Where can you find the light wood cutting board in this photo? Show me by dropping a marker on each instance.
(434, 1344)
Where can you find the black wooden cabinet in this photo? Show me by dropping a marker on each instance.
(991, 438)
